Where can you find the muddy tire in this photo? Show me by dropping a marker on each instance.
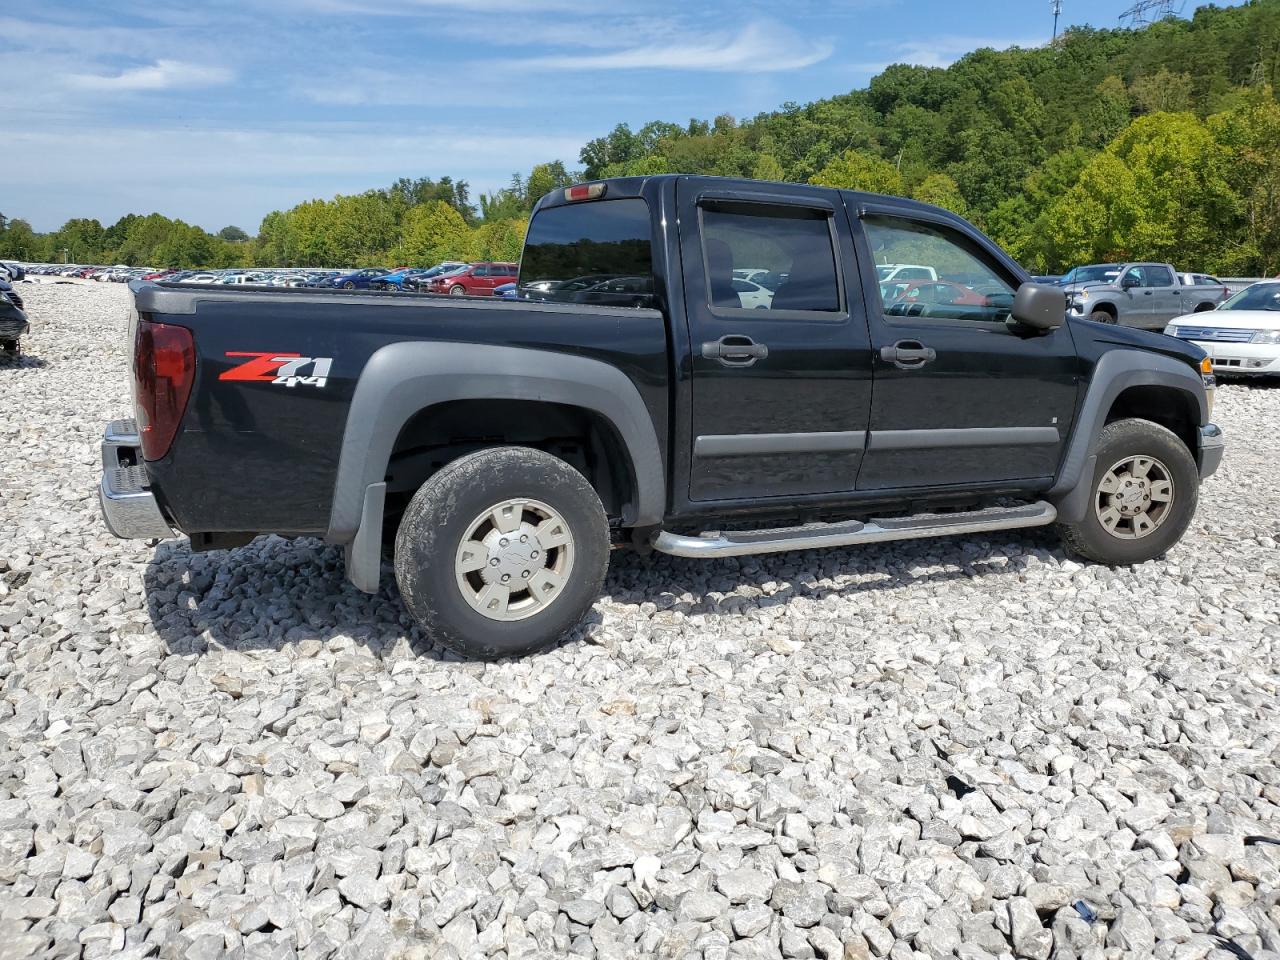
(1144, 491)
(1102, 316)
(502, 552)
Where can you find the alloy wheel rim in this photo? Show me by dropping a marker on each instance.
(1134, 497)
(514, 560)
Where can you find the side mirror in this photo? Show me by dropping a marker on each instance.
(1040, 306)
(1129, 282)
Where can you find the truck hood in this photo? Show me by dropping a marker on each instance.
(1110, 334)
(1230, 320)
(1091, 286)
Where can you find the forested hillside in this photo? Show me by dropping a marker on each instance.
(1159, 143)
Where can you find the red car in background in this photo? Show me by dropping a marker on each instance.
(477, 280)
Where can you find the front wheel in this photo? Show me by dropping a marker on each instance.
(1102, 316)
(502, 552)
(457, 290)
(1144, 494)
(348, 285)
(11, 347)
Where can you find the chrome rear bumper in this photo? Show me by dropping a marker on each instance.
(128, 505)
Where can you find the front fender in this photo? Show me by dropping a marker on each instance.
(1115, 372)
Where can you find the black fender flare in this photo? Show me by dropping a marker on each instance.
(402, 379)
(1115, 372)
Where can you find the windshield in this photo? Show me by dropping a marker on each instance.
(1100, 272)
(883, 271)
(1261, 296)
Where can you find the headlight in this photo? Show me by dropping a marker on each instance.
(1082, 294)
(1266, 336)
(1170, 330)
(4, 297)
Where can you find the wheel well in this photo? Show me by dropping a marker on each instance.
(1170, 408)
(440, 434)
(1202, 307)
(1104, 308)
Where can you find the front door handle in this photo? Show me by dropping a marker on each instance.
(908, 354)
(734, 350)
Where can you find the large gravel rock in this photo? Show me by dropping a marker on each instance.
(974, 747)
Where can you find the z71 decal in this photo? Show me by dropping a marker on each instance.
(281, 368)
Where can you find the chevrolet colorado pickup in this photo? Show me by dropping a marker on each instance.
(501, 447)
(1146, 295)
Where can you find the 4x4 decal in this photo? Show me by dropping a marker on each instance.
(281, 368)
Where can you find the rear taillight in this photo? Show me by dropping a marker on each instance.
(164, 367)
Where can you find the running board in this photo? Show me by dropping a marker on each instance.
(852, 532)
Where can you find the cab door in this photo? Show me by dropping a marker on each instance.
(781, 387)
(961, 395)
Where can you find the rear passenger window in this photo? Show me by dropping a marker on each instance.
(791, 244)
(961, 283)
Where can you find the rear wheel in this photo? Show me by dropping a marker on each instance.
(1144, 494)
(502, 552)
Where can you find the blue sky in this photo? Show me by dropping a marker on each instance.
(220, 114)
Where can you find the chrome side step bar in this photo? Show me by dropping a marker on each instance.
(853, 532)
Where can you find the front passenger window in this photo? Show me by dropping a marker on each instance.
(950, 277)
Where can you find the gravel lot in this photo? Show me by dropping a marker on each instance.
(974, 747)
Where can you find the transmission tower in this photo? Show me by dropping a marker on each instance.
(1144, 12)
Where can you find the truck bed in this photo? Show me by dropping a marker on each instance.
(260, 456)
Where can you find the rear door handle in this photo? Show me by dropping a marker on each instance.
(734, 350)
(908, 354)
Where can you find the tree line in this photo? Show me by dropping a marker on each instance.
(1156, 143)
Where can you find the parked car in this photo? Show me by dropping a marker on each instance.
(508, 444)
(923, 298)
(507, 291)
(358, 279)
(887, 272)
(1051, 279)
(13, 320)
(1220, 295)
(752, 295)
(426, 283)
(477, 280)
(1145, 295)
(12, 271)
(1242, 336)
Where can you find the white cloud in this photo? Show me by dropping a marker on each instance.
(215, 176)
(161, 75)
(760, 47)
(941, 51)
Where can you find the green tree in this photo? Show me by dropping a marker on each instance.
(434, 232)
(233, 234)
(1159, 191)
(942, 191)
(19, 242)
(853, 170)
(544, 178)
(767, 168)
(1251, 132)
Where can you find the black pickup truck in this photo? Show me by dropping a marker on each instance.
(702, 367)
